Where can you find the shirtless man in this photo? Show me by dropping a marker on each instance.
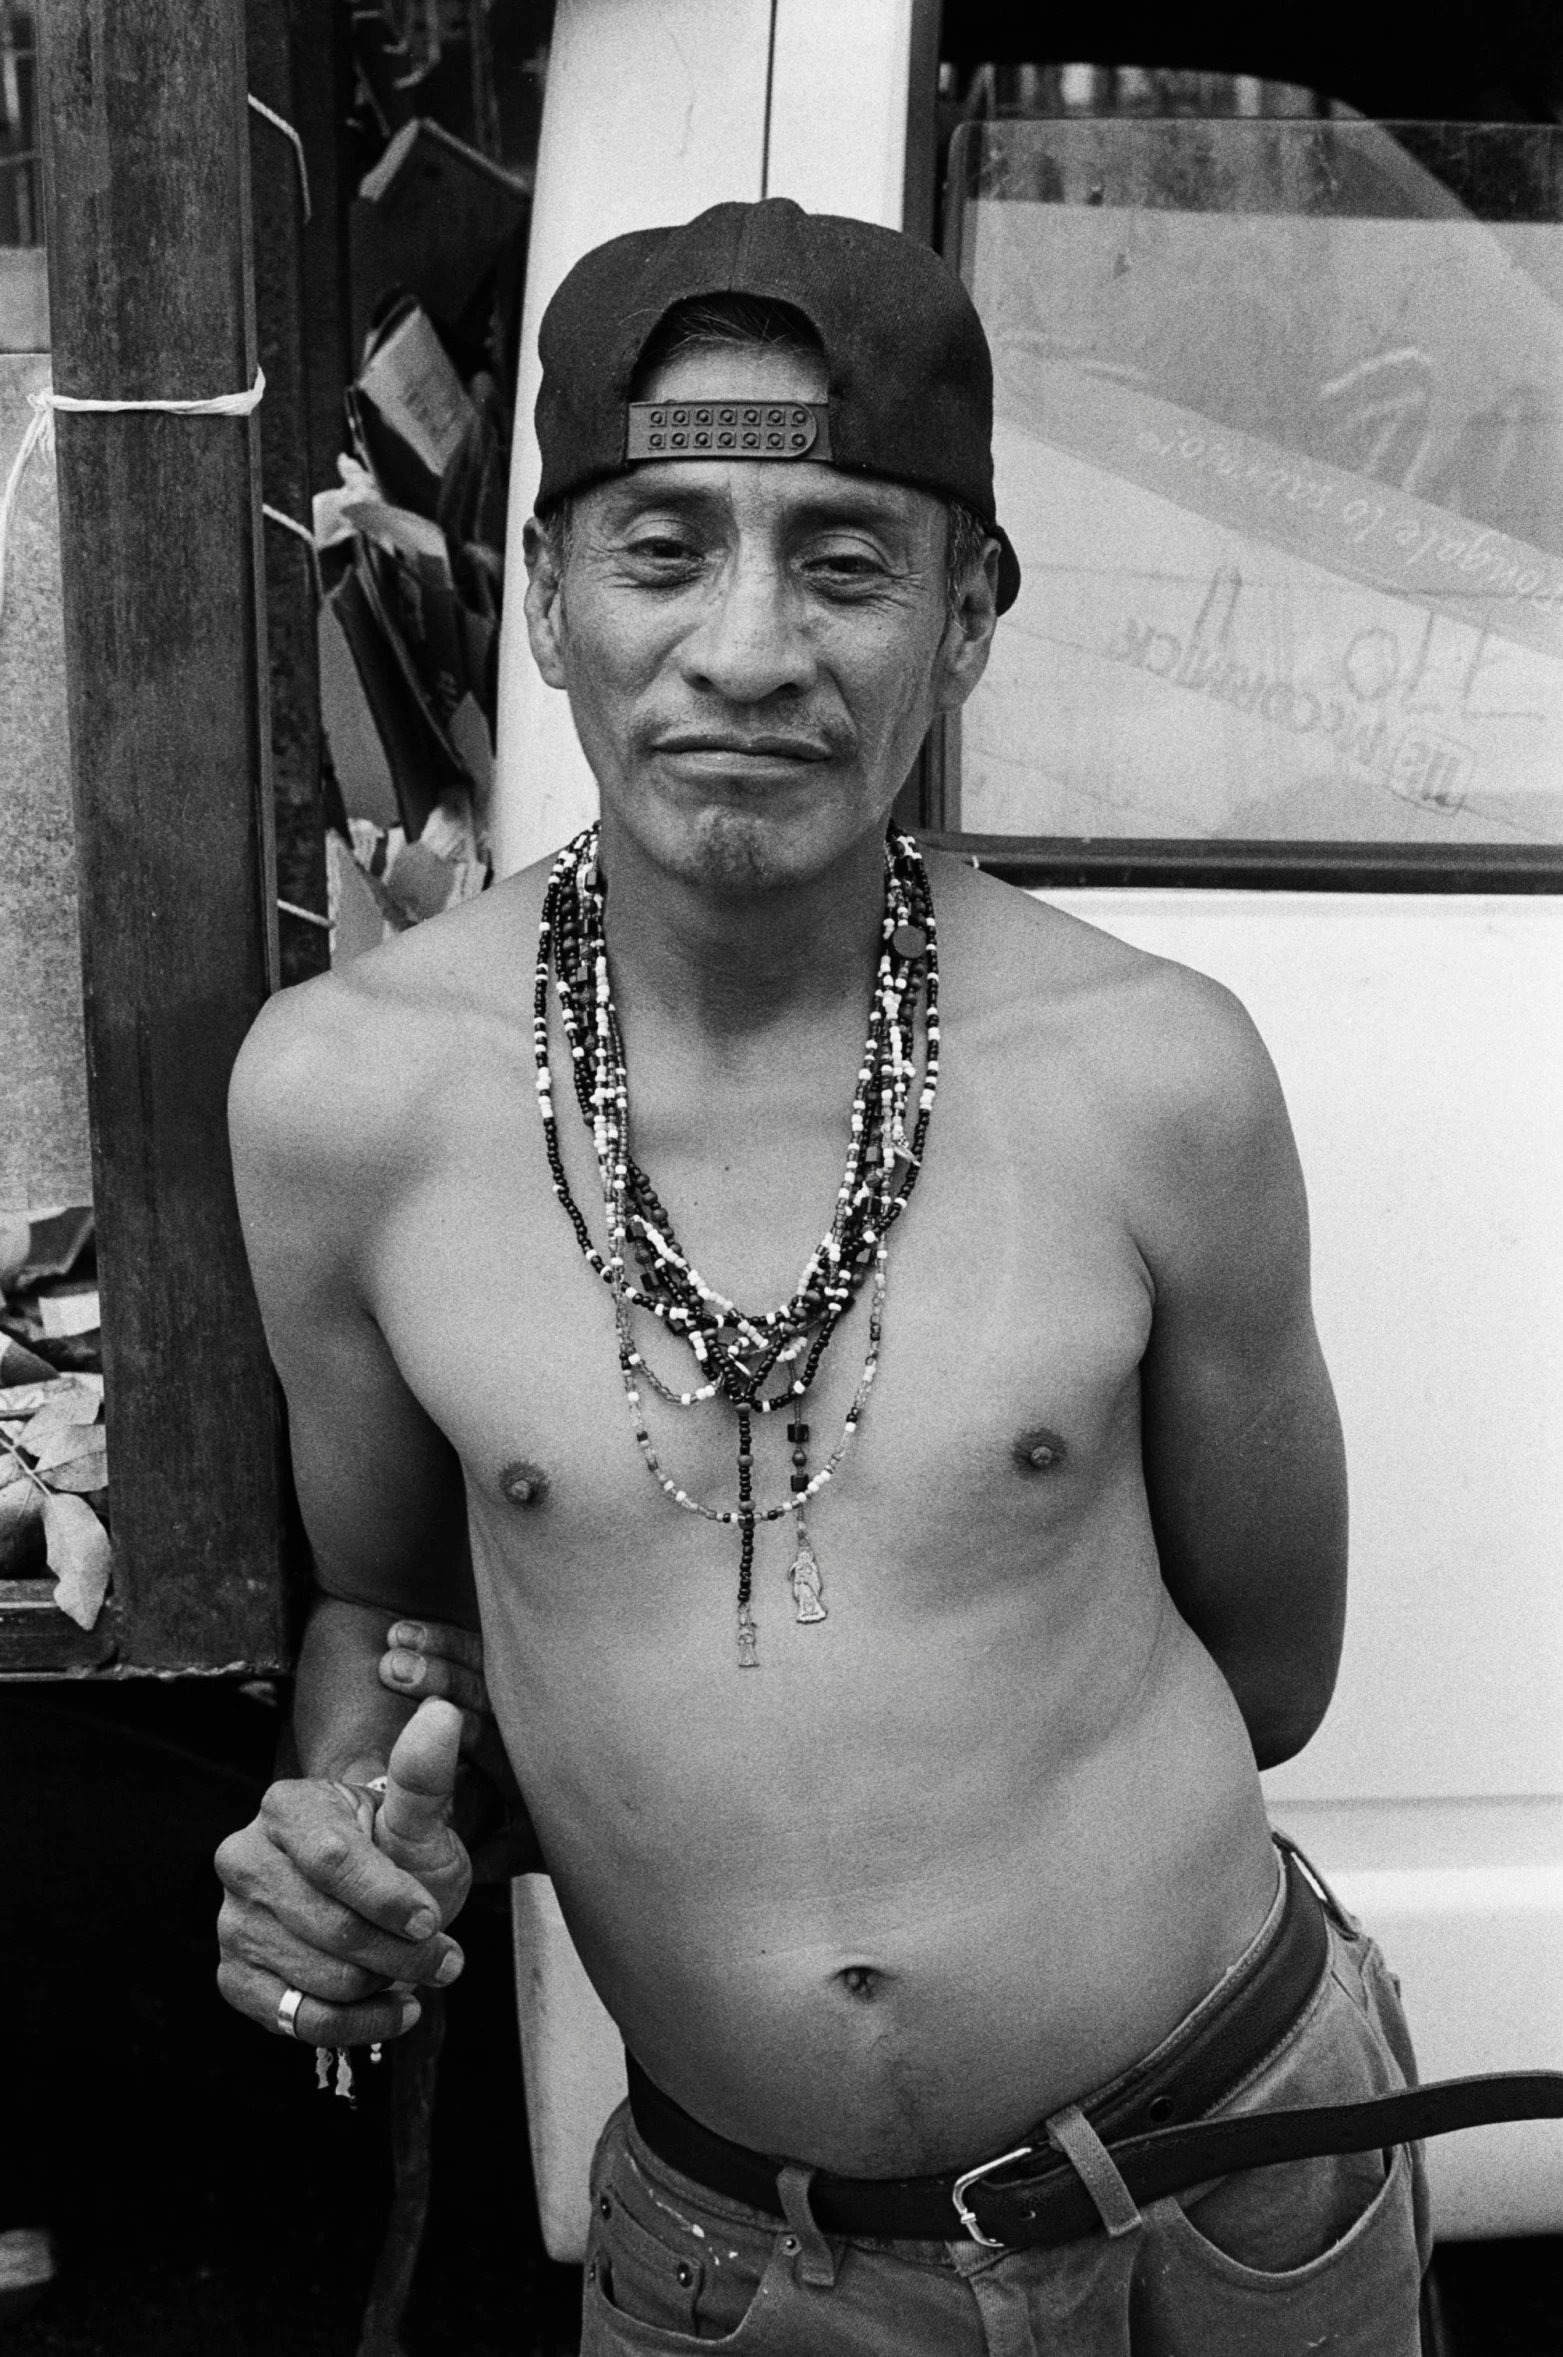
(965, 1855)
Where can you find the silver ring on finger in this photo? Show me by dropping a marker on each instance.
(287, 2011)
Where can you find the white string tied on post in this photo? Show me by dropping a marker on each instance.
(278, 124)
(219, 405)
(40, 433)
(40, 430)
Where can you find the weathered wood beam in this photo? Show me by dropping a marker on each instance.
(146, 160)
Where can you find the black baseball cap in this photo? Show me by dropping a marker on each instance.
(910, 373)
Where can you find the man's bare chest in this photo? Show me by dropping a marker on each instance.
(1015, 1316)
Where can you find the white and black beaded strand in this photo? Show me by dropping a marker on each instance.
(735, 1352)
(607, 1093)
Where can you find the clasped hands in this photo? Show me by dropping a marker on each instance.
(327, 1892)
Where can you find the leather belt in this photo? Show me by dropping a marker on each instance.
(1151, 2123)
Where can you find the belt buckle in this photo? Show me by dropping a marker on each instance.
(963, 2211)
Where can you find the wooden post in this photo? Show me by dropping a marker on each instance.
(146, 139)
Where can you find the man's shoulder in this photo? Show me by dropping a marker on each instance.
(1021, 951)
(1162, 1044)
(350, 1067)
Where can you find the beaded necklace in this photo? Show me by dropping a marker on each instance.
(737, 1353)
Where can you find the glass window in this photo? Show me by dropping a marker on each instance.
(1279, 439)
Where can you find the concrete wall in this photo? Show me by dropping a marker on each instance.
(43, 1105)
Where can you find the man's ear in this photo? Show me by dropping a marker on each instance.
(544, 599)
(968, 636)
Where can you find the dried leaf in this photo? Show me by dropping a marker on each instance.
(64, 1445)
(24, 1399)
(79, 1556)
(82, 1473)
(67, 1412)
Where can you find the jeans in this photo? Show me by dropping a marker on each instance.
(1279, 2262)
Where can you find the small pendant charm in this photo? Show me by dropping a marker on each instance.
(323, 2056)
(748, 1637)
(344, 2074)
(805, 1578)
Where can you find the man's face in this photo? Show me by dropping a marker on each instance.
(753, 650)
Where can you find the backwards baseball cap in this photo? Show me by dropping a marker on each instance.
(910, 374)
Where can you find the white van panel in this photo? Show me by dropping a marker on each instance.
(572, 2059)
(1466, 1899)
(655, 109)
(838, 107)
(1419, 1041)
(1479, 1953)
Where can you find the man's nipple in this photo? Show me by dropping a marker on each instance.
(524, 1484)
(1040, 1451)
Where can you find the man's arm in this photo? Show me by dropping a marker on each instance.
(1244, 1465)
(325, 1148)
(345, 1717)
(321, 1894)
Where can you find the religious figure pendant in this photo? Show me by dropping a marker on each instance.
(805, 1577)
(748, 1637)
(325, 2057)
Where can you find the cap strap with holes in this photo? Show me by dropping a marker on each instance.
(740, 429)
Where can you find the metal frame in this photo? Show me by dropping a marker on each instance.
(930, 798)
(1042, 861)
